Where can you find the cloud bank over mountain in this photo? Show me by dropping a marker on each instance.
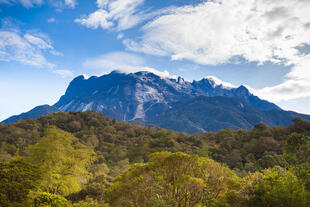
(219, 32)
(123, 62)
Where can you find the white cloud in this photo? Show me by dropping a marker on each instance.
(288, 90)
(120, 36)
(218, 81)
(296, 85)
(51, 20)
(97, 19)
(121, 61)
(102, 3)
(26, 50)
(63, 73)
(29, 49)
(38, 42)
(29, 3)
(114, 14)
(215, 32)
(70, 3)
(114, 61)
(33, 3)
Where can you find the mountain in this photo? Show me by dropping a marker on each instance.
(34, 113)
(202, 114)
(143, 95)
(198, 106)
(208, 87)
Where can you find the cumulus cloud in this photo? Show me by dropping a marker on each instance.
(213, 32)
(121, 61)
(114, 14)
(96, 19)
(216, 32)
(296, 85)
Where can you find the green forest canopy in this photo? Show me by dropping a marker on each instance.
(86, 159)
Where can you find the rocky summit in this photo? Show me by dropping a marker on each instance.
(145, 97)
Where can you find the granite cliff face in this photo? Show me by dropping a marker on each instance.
(144, 97)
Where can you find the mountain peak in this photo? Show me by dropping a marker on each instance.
(117, 93)
(79, 78)
(216, 82)
(242, 89)
(180, 80)
(144, 96)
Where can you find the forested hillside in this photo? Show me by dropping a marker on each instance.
(86, 159)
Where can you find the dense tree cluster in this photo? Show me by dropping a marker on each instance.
(85, 159)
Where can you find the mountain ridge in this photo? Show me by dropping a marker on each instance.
(137, 89)
(147, 98)
(33, 113)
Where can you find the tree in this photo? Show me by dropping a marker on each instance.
(269, 161)
(172, 179)
(62, 161)
(275, 187)
(298, 156)
(89, 203)
(50, 200)
(17, 179)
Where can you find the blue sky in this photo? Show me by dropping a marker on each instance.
(262, 44)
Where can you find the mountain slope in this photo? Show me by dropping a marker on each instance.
(121, 96)
(207, 87)
(143, 97)
(33, 113)
(201, 114)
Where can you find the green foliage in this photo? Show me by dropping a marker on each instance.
(117, 141)
(277, 187)
(17, 179)
(93, 189)
(89, 203)
(87, 159)
(268, 161)
(298, 155)
(62, 161)
(50, 200)
(172, 179)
